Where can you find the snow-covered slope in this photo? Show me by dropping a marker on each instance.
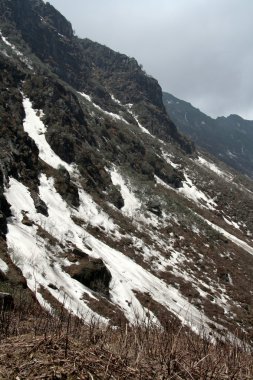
(44, 265)
(104, 207)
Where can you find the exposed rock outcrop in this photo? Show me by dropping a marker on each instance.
(92, 273)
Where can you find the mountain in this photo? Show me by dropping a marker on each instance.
(105, 208)
(230, 139)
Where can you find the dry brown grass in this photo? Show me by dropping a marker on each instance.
(36, 345)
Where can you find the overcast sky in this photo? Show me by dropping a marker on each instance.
(199, 50)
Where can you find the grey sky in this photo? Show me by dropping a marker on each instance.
(199, 50)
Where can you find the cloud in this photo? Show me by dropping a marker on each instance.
(199, 50)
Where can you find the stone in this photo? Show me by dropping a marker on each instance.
(94, 274)
(154, 207)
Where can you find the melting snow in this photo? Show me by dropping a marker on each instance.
(115, 100)
(17, 52)
(92, 214)
(111, 114)
(191, 191)
(139, 124)
(131, 203)
(240, 243)
(3, 266)
(213, 167)
(231, 223)
(13, 47)
(36, 129)
(167, 157)
(88, 210)
(42, 266)
(129, 106)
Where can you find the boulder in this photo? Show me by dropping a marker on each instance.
(155, 207)
(94, 274)
(114, 196)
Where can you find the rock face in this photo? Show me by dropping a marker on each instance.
(228, 138)
(4, 208)
(66, 188)
(94, 274)
(87, 65)
(40, 205)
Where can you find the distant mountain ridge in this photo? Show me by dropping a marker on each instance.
(230, 138)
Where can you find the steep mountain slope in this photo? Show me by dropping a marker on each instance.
(230, 138)
(105, 207)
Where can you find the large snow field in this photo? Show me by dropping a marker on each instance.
(42, 266)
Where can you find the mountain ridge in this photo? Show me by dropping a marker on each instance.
(96, 180)
(227, 138)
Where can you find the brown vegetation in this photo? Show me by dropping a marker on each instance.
(37, 345)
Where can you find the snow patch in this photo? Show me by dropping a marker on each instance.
(167, 157)
(189, 190)
(131, 203)
(3, 266)
(231, 223)
(116, 100)
(110, 114)
(88, 210)
(240, 243)
(13, 47)
(145, 130)
(36, 129)
(213, 167)
(17, 52)
(91, 213)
